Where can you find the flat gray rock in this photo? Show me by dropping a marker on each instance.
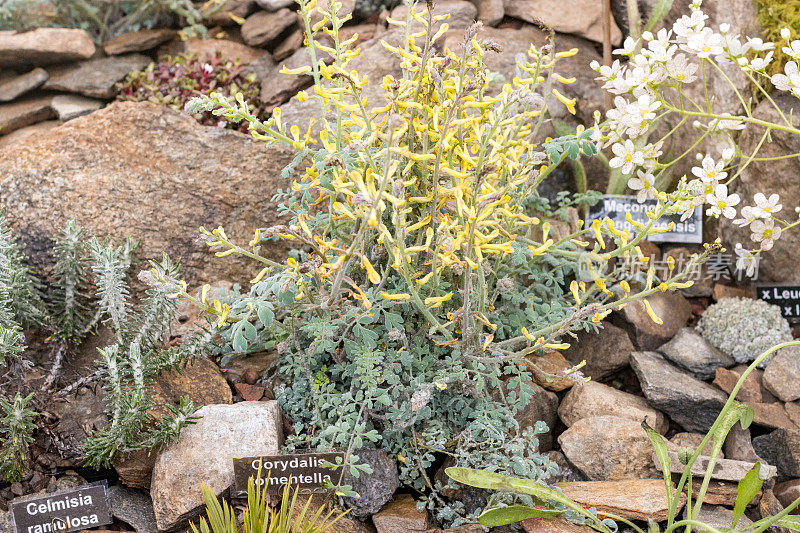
(690, 402)
(69, 106)
(25, 112)
(724, 469)
(95, 77)
(44, 46)
(690, 351)
(12, 87)
(782, 449)
(782, 375)
(133, 507)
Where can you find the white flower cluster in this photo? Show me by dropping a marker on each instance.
(651, 84)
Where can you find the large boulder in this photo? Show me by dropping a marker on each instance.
(671, 307)
(135, 168)
(605, 352)
(690, 351)
(780, 263)
(204, 453)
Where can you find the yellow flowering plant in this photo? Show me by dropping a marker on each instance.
(427, 275)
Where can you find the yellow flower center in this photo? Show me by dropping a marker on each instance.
(767, 233)
(628, 158)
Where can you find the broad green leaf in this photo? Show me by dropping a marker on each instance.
(494, 481)
(748, 488)
(503, 516)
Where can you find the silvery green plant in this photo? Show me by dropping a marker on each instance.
(553, 503)
(743, 327)
(90, 287)
(16, 436)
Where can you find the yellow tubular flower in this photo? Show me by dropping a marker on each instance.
(403, 297)
(652, 313)
(568, 102)
(599, 316)
(372, 274)
(573, 288)
(596, 225)
(436, 301)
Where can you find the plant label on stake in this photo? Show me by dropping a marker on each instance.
(617, 206)
(65, 511)
(308, 472)
(787, 297)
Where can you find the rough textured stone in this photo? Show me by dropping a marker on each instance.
(277, 88)
(490, 12)
(688, 401)
(44, 46)
(552, 363)
(401, 516)
(202, 382)
(14, 86)
(256, 363)
(634, 499)
(69, 106)
(204, 453)
(462, 14)
(541, 407)
(138, 41)
(137, 162)
(25, 112)
(703, 284)
(729, 291)
(671, 307)
(738, 445)
(719, 516)
(692, 441)
(609, 448)
(248, 392)
(724, 469)
(720, 492)
(206, 49)
(772, 415)
(96, 77)
(690, 351)
(264, 28)
(787, 492)
(749, 392)
(133, 507)
(770, 506)
(552, 525)
(274, 5)
(566, 470)
(5, 521)
(782, 449)
(595, 399)
(793, 410)
(376, 489)
(605, 352)
(579, 17)
(780, 264)
(782, 375)
(28, 132)
(288, 46)
(230, 11)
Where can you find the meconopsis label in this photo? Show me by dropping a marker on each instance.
(618, 206)
(71, 510)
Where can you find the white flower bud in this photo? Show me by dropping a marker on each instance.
(786, 33)
(724, 27)
(594, 65)
(647, 36)
(728, 153)
(698, 156)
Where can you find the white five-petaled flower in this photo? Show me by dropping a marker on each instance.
(758, 63)
(745, 260)
(705, 43)
(765, 232)
(789, 80)
(758, 44)
(748, 215)
(710, 170)
(681, 70)
(720, 203)
(793, 50)
(765, 207)
(627, 156)
(644, 183)
(628, 46)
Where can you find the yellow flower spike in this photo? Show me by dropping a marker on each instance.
(671, 263)
(567, 53)
(573, 288)
(372, 274)
(681, 285)
(436, 301)
(403, 297)
(541, 249)
(556, 346)
(360, 296)
(295, 71)
(487, 341)
(663, 287)
(568, 102)
(256, 238)
(226, 252)
(632, 222)
(561, 79)
(259, 276)
(424, 279)
(625, 286)
(596, 225)
(204, 293)
(302, 96)
(651, 272)
(652, 313)
(440, 385)
(600, 315)
(528, 335)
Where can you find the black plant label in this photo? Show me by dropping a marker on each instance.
(787, 297)
(309, 472)
(70, 510)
